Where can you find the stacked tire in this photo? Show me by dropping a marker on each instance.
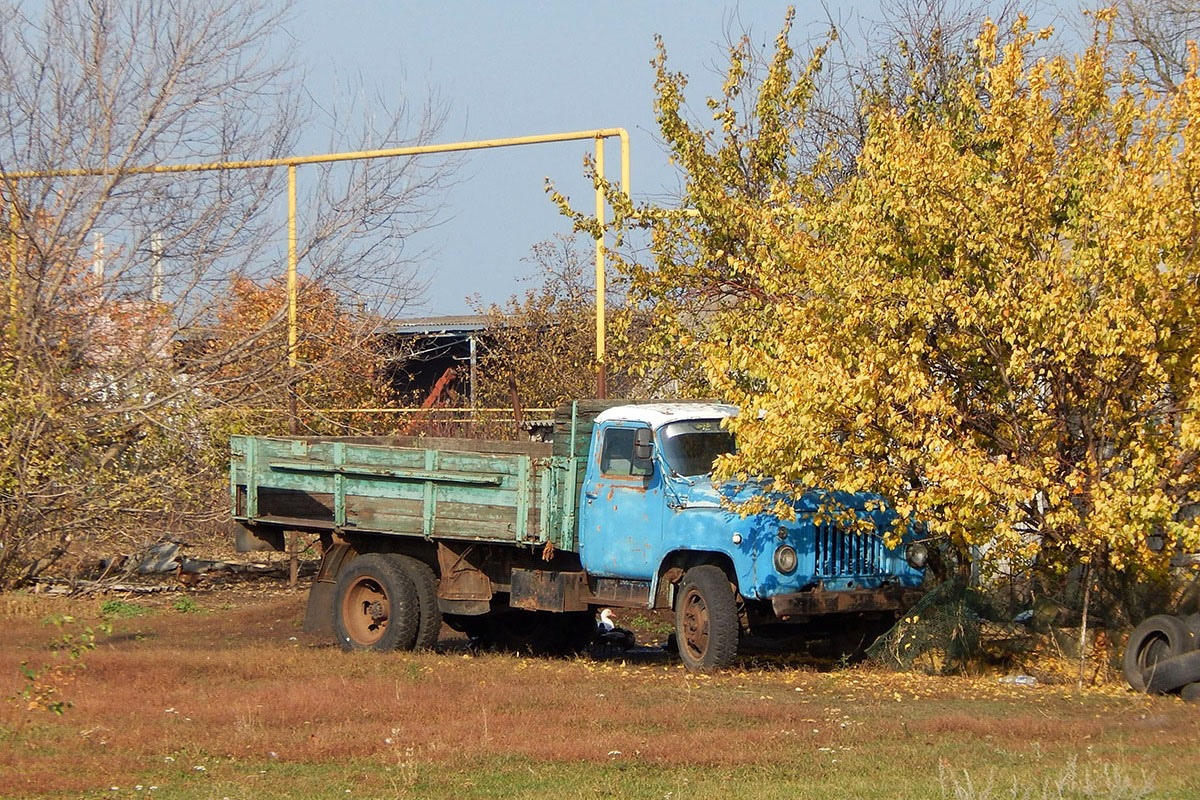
(1162, 656)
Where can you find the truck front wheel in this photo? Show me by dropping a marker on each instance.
(706, 621)
(375, 605)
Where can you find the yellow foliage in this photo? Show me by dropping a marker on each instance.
(992, 322)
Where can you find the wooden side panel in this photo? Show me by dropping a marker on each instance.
(343, 484)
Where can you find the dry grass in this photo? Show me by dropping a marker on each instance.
(242, 692)
(21, 607)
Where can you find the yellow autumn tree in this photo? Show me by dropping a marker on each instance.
(992, 322)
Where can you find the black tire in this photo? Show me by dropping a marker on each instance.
(375, 605)
(1191, 693)
(1156, 640)
(429, 622)
(706, 621)
(1193, 623)
(1173, 673)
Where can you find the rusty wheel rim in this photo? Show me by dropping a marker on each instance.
(365, 611)
(695, 624)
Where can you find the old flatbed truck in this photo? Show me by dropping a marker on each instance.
(523, 541)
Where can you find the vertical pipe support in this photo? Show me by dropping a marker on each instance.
(13, 258)
(474, 367)
(601, 388)
(624, 136)
(292, 334)
(601, 278)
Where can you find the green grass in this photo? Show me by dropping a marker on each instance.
(120, 609)
(659, 625)
(810, 776)
(186, 605)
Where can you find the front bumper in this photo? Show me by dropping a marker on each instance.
(802, 606)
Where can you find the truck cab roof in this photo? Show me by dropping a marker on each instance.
(658, 414)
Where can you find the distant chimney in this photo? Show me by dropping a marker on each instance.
(98, 256)
(156, 275)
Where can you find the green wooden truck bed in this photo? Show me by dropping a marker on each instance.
(474, 490)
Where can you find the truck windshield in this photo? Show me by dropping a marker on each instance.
(691, 447)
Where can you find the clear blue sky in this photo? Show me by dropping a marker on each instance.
(516, 68)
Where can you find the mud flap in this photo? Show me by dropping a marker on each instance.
(318, 617)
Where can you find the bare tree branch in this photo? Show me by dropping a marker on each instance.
(116, 338)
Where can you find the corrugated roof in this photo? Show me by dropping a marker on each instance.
(432, 326)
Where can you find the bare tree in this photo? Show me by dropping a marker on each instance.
(111, 357)
(910, 52)
(1159, 32)
(540, 349)
(903, 50)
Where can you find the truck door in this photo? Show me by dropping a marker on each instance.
(620, 531)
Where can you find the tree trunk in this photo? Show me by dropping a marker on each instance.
(1087, 596)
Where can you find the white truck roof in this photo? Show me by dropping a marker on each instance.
(658, 414)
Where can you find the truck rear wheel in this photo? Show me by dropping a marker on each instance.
(706, 621)
(429, 622)
(375, 605)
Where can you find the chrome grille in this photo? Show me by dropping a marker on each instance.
(840, 553)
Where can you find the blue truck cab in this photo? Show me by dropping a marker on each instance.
(650, 511)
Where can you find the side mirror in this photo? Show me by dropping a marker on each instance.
(643, 444)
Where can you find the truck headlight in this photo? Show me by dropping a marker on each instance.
(917, 555)
(785, 559)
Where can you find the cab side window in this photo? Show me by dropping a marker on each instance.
(616, 456)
